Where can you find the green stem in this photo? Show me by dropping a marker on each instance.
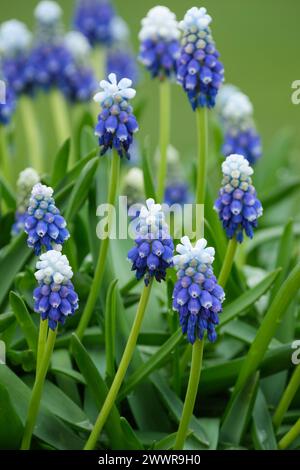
(60, 116)
(228, 262)
(202, 133)
(287, 398)
(121, 372)
(5, 160)
(290, 436)
(100, 268)
(32, 133)
(41, 342)
(165, 105)
(37, 391)
(191, 393)
(99, 62)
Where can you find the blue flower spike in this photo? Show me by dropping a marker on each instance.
(44, 224)
(199, 70)
(49, 60)
(55, 298)
(236, 117)
(197, 297)
(153, 251)
(93, 18)
(116, 122)
(79, 82)
(15, 44)
(159, 42)
(28, 178)
(237, 205)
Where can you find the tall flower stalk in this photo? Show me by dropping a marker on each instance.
(55, 299)
(159, 51)
(150, 257)
(198, 299)
(115, 128)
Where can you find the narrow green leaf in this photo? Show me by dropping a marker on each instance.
(175, 406)
(7, 194)
(266, 235)
(271, 196)
(268, 328)
(60, 164)
(262, 428)
(88, 140)
(145, 369)
(98, 389)
(148, 178)
(110, 329)
(11, 428)
(239, 413)
(284, 255)
(132, 440)
(6, 319)
(49, 428)
(25, 321)
(11, 262)
(81, 188)
(244, 301)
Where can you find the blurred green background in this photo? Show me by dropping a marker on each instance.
(259, 45)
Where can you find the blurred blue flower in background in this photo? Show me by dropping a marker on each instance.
(93, 19)
(199, 70)
(44, 224)
(197, 297)
(55, 298)
(153, 251)
(116, 122)
(15, 44)
(159, 42)
(237, 205)
(235, 113)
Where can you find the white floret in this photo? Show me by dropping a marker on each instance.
(160, 23)
(48, 12)
(77, 45)
(53, 267)
(15, 38)
(195, 20)
(112, 88)
(40, 191)
(237, 167)
(187, 252)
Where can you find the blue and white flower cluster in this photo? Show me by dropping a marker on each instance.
(44, 224)
(237, 205)
(8, 105)
(197, 297)
(15, 44)
(153, 251)
(116, 122)
(199, 70)
(49, 59)
(79, 82)
(159, 38)
(28, 178)
(55, 298)
(93, 18)
(235, 112)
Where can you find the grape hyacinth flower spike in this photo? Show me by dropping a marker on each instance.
(93, 18)
(197, 297)
(44, 224)
(199, 70)
(79, 82)
(237, 205)
(116, 122)
(153, 251)
(55, 297)
(159, 42)
(15, 43)
(27, 179)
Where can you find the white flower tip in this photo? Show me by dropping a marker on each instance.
(14, 37)
(111, 88)
(28, 178)
(48, 12)
(195, 19)
(40, 190)
(119, 29)
(53, 266)
(161, 23)
(77, 45)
